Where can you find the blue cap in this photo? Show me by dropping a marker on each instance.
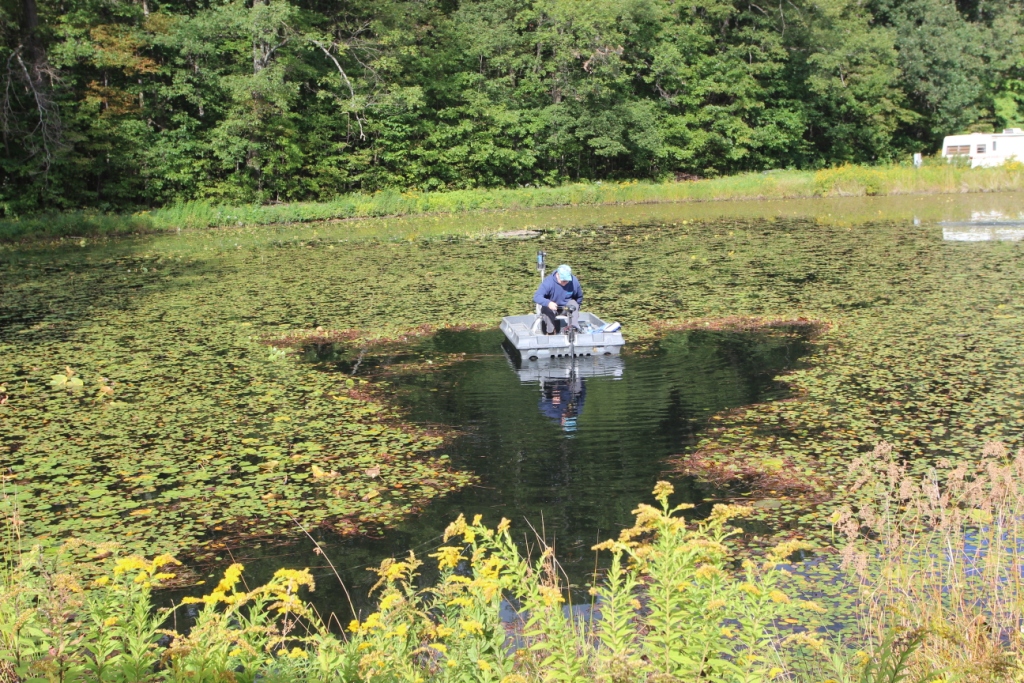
(564, 273)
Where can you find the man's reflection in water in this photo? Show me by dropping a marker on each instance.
(562, 401)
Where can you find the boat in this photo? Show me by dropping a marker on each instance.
(595, 337)
(525, 334)
(567, 369)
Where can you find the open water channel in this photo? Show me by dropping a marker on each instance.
(564, 459)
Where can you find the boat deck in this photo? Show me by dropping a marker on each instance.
(523, 333)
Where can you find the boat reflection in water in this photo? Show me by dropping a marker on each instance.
(562, 381)
(985, 226)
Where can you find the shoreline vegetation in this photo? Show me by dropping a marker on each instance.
(674, 605)
(843, 181)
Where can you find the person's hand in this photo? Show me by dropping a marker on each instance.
(553, 306)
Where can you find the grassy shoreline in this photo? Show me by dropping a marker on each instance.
(845, 181)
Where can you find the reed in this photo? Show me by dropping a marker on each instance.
(941, 556)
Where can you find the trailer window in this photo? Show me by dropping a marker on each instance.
(954, 150)
(981, 149)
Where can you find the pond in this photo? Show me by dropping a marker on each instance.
(565, 451)
(165, 392)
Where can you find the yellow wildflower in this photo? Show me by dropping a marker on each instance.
(551, 596)
(372, 622)
(443, 631)
(234, 653)
(353, 625)
(401, 630)
(455, 528)
(779, 596)
(472, 626)
(503, 525)
(477, 519)
(110, 621)
(161, 560)
(297, 653)
(448, 557)
(774, 672)
(101, 581)
(728, 632)
(440, 647)
(232, 575)
(389, 601)
(461, 602)
(130, 563)
(706, 572)
(783, 550)
(812, 607)
(484, 666)
(723, 513)
(292, 579)
(751, 589)
(662, 490)
(716, 605)
(491, 567)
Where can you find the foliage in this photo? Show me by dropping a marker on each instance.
(670, 609)
(945, 571)
(842, 181)
(151, 103)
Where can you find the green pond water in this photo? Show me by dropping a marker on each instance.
(143, 403)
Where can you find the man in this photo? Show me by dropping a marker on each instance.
(561, 288)
(562, 401)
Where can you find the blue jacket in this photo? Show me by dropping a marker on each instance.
(550, 290)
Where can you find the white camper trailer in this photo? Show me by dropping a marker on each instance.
(986, 149)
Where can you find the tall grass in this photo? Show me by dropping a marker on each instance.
(944, 560)
(842, 181)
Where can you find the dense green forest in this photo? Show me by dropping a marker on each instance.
(118, 104)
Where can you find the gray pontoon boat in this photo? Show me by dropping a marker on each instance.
(594, 337)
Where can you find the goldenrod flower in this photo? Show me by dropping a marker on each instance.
(389, 601)
(551, 596)
(472, 626)
(455, 528)
(448, 557)
(706, 572)
(662, 490)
